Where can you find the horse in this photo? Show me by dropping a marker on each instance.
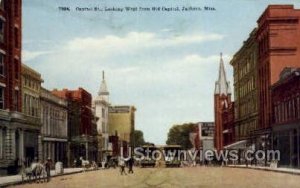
(38, 171)
(26, 173)
(85, 164)
(94, 165)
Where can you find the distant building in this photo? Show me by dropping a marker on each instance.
(286, 117)
(203, 136)
(115, 146)
(101, 105)
(81, 133)
(54, 115)
(121, 123)
(245, 73)
(222, 100)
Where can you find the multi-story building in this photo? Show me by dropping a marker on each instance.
(10, 54)
(222, 99)
(121, 123)
(16, 135)
(101, 104)
(245, 73)
(54, 116)
(31, 88)
(278, 47)
(81, 135)
(286, 117)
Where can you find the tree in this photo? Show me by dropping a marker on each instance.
(139, 138)
(180, 135)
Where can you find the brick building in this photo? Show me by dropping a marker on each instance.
(286, 118)
(15, 131)
(82, 132)
(222, 98)
(10, 54)
(278, 29)
(245, 74)
(228, 124)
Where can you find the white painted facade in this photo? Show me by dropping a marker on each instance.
(101, 104)
(54, 116)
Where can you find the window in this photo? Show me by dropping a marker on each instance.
(2, 4)
(2, 141)
(17, 8)
(16, 101)
(2, 64)
(1, 98)
(16, 69)
(17, 43)
(103, 113)
(298, 106)
(1, 144)
(1, 31)
(103, 127)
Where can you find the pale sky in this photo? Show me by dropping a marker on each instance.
(164, 63)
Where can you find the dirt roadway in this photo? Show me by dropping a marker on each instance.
(199, 177)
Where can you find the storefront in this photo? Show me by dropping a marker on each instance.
(286, 140)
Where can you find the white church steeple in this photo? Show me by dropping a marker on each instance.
(103, 87)
(101, 104)
(222, 86)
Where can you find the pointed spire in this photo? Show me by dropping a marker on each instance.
(103, 88)
(222, 86)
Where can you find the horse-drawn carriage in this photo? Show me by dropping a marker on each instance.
(85, 164)
(36, 171)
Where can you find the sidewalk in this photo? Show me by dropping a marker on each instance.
(17, 179)
(281, 170)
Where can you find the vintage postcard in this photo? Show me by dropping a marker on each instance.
(149, 93)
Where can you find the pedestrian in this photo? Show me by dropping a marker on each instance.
(48, 168)
(130, 165)
(16, 165)
(122, 166)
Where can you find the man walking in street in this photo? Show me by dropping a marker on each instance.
(130, 165)
(48, 168)
(122, 166)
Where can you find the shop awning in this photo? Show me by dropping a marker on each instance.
(237, 145)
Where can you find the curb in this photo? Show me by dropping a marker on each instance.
(267, 169)
(19, 182)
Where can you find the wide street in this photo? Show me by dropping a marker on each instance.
(174, 177)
